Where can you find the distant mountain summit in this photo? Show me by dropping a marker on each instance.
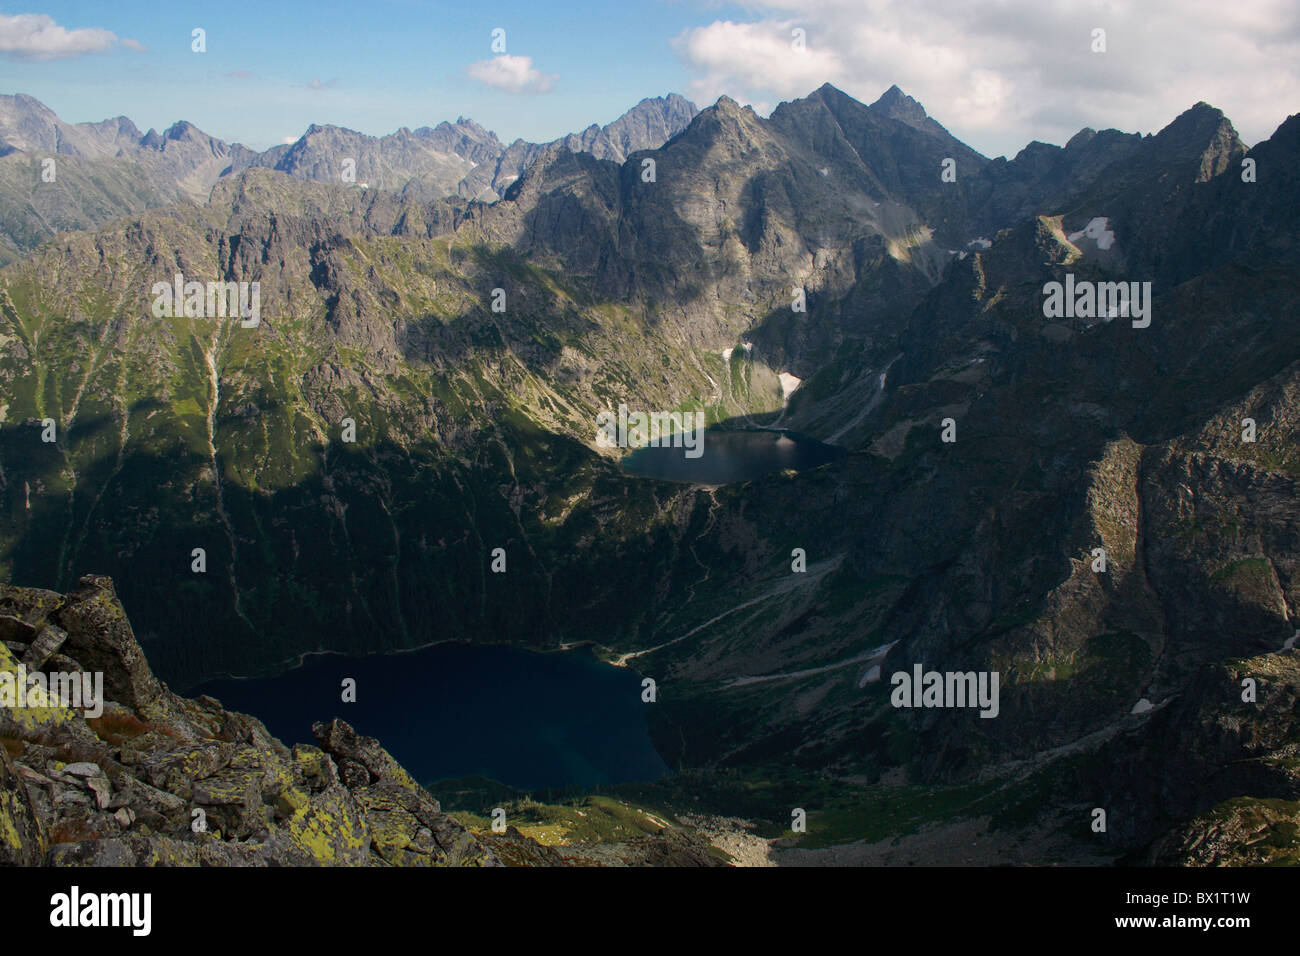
(29, 125)
(648, 125)
(896, 104)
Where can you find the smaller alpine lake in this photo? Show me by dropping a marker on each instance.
(731, 456)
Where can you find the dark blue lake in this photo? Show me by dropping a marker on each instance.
(730, 456)
(526, 719)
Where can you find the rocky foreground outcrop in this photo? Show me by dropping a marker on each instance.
(158, 779)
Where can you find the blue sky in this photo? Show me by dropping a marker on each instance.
(382, 64)
(996, 74)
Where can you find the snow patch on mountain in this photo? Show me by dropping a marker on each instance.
(1097, 231)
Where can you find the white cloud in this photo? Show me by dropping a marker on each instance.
(1000, 75)
(36, 36)
(514, 74)
(984, 101)
(757, 56)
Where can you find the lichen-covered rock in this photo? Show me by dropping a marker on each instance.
(332, 829)
(407, 829)
(29, 605)
(177, 770)
(233, 801)
(45, 645)
(22, 837)
(100, 636)
(346, 745)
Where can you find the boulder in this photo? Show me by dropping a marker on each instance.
(340, 741)
(46, 645)
(408, 829)
(100, 636)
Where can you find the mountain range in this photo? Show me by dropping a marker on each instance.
(116, 170)
(992, 446)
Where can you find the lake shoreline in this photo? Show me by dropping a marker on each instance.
(531, 719)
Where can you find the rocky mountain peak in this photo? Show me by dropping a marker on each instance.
(896, 104)
(726, 105)
(1288, 134)
(26, 123)
(468, 126)
(184, 130)
(21, 104)
(1083, 136)
(1201, 134)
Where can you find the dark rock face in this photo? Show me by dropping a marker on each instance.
(1206, 762)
